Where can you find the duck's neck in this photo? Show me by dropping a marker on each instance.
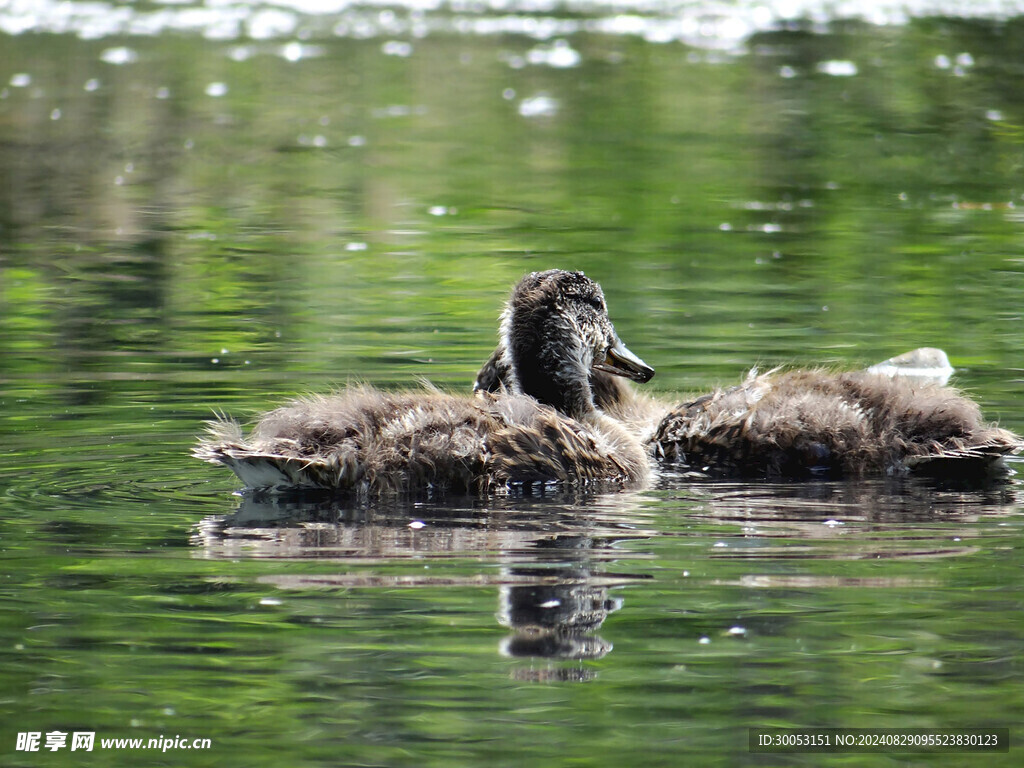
(548, 365)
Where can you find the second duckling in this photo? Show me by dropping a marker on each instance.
(796, 424)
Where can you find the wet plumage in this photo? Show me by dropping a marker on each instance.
(796, 424)
(543, 428)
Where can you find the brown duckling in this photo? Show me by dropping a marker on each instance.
(544, 427)
(794, 424)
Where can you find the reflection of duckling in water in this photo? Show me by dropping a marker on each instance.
(893, 418)
(544, 427)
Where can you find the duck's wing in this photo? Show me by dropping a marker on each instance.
(276, 464)
(362, 440)
(762, 429)
(536, 443)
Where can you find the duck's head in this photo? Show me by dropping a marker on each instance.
(555, 330)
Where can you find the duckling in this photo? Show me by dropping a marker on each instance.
(542, 427)
(806, 423)
(895, 417)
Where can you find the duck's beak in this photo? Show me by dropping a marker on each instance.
(621, 362)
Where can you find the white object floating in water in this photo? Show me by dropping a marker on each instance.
(417, 524)
(21, 80)
(925, 363)
(216, 90)
(737, 630)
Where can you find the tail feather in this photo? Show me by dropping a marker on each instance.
(224, 444)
